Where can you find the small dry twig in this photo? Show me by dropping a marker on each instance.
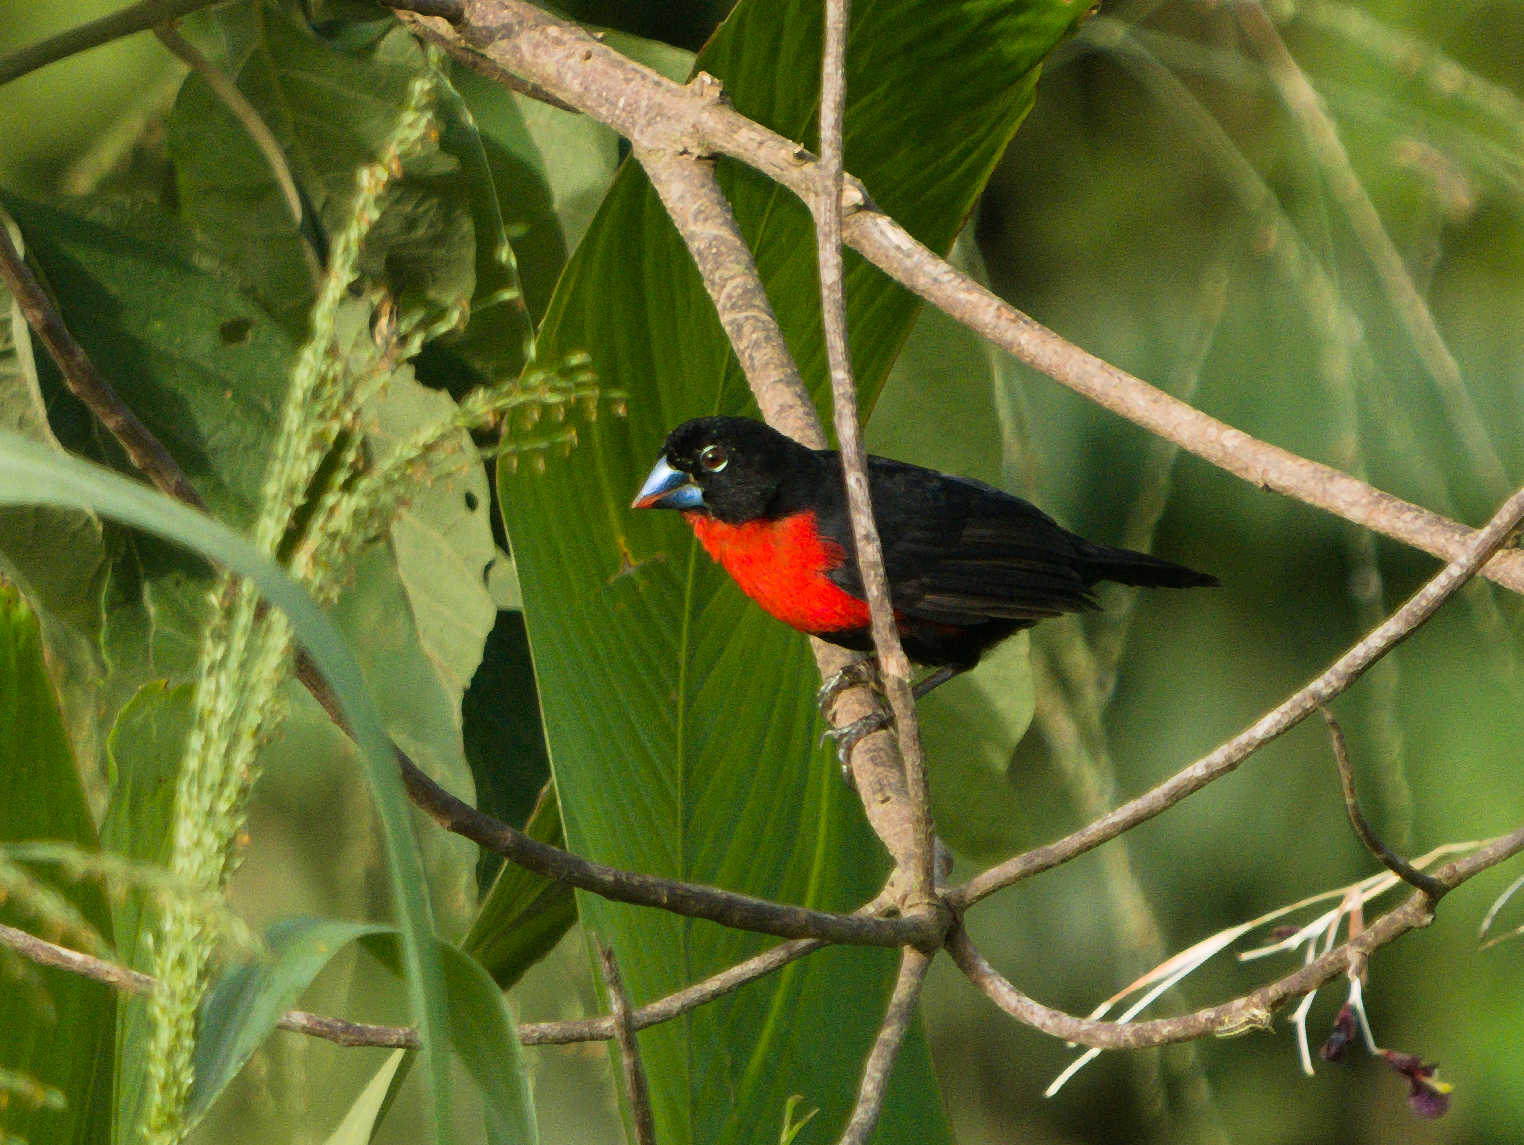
(637, 1090)
(886, 1047)
(1392, 861)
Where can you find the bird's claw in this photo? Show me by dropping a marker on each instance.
(849, 736)
(863, 670)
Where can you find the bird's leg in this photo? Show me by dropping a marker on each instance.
(938, 678)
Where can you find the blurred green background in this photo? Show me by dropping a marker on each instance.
(1161, 209)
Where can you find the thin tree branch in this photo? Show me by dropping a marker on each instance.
(1295, 708)
(1404, 870)
(637, 1090)
(338, 1030)
(894, 667)
(886, 1047)
(673, 1005)
(114, 26)
(655, 113)
(86, 382)
(347, 1033)
(1252, 1010)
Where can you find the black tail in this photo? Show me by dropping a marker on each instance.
(1127, 567)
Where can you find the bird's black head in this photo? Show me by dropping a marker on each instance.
(728, 467)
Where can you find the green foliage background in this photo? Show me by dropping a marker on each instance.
(1159, 208)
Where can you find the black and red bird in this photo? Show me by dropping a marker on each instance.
(967, 564)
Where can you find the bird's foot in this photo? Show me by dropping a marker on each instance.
(851, 735)
(863, 670)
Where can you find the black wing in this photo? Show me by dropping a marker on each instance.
(959, 552)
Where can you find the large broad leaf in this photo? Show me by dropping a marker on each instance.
(203, 367)
(57, 1026)
(680, 719)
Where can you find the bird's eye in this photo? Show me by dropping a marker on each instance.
(712, 458)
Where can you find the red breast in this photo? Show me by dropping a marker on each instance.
(782, 564)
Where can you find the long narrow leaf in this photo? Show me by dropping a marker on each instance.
(31, 474)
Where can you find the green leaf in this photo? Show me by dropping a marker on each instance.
(442, 539)
(504, 738)
(58, 1026)
(440, 241)
(33, 474)
(365, 1115)
(485, 1039)
(524, 915)
(143, 755)
(56, 557)
(680, 719)
(242, 1007)
(487, 1042)
(199, 364)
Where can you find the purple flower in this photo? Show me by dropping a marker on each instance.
(1427, 1095)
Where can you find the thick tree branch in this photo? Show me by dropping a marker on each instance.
(653, 112)
(1254, 1009)
(1295, 708)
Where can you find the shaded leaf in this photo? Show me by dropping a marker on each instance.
(484, 1037)
(504, 738)
(524, 915)
(364, 1116)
